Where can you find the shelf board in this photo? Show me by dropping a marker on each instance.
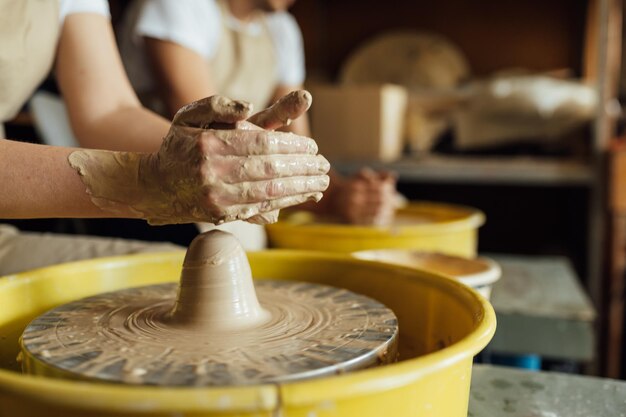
(482, 170)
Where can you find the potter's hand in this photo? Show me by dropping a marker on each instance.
(367, 198)
(212, 167)
(280, 114)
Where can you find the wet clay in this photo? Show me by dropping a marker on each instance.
(203, 113)
(216, 292)
(213, 330)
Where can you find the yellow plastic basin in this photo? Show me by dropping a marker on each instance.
(435, 227)
(443, 324)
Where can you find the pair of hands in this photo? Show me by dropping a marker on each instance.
(367, 198)
(215, 165)
(220, 164)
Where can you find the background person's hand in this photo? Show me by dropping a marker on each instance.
(367, 198)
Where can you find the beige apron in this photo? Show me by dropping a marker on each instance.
(28, 35)
(244, 66)
(29, 31)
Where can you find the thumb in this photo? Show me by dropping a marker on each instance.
(281, 113)
(215, 109)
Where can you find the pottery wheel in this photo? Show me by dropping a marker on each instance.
(204, 335)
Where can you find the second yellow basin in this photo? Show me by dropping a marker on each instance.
(433, 227)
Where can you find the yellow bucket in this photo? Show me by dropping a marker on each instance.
(434, 227)
(443, 324)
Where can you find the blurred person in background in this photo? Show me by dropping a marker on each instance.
(178, 51)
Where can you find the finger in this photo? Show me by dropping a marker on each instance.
(384, 189)
(388, 176)
(246, 125)
(375, 188)
(399, 200)
(265, 218)
(264, 167)
(260, 191)
(281, 113)
(372, 176)
(373, 203)
(366, 209)
(215, 109)
(249, 211)
(258, 142)
(366, 174)
(380, 187)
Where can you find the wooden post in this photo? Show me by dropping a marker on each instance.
(601, 66)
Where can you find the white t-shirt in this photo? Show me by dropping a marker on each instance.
(196, 24)
(68, 7)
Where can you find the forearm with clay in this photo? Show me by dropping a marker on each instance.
(237, 172)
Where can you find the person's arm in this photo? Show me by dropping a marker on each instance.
(182, 74)
(198, 174)
(37, 182)
(104, 110)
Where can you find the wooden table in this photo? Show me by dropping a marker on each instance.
(498, 391)
(542, 309)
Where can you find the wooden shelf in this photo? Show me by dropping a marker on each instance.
(482, 170)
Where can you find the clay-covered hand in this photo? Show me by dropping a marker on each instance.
(280, 114)
(367, 198)
(212, 167)
(284, 111)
